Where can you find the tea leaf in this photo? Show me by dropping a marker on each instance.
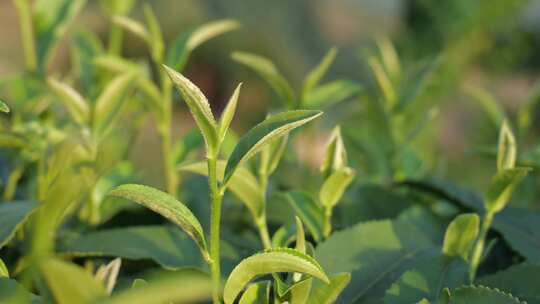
(309, 212)
(167, 206)
(316, 75)
(110, 101)
(155, 37)
(13, 292)
(185, 286)
(520, 280)
(328, 293)
(4, 272)
(460, 235)
(427, 281)
(415, 83)
(299, 292)
(271, 155)
(268, 71)
(506, 155)
(4, 107)
(81, 287)
(270, 261)
(117, 7)
(228, 114)
(384, 83)
(166, 245)
(132, 26)
(481, 295)
(76, 105)
(243, 184)
(336, 155)
(331, 93)
(107, 274)
(13, 215)
(115, 64)
(391, 247)
(199, 107)
(271, 128)
(209, 31)
(389, 56)
(256, 293)
(488, 103)
(501, 188)
(334, 186)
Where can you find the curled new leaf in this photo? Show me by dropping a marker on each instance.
(209, 31)
(167, 206)
(335, 185)
(199, 107)
(4, 107)
(314, 76)
(336, 155)
(460, 235)
(228, 114)
(4, 273)
(72, 100)
(506, 155)
(501, 188)
(268, 71)
(271, 128)
(270, 261)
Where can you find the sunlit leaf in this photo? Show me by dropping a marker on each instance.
(155, 36)
(132, 26)
(268, 71)
(506, 154)
(4, 107)
(167, 206)
(316, 75)
(334, 186)
(199, 107)
(256, 293)
(501, 188)
(270, 261)
(209, 31)
(71, 284)
(228, 114)
(108, 274)
(270, 129)
(4, 272)
(76, 105)
(335, 157)
(328, 293)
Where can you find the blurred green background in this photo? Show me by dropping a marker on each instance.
(488, 45)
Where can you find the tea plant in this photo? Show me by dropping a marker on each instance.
(371, 225)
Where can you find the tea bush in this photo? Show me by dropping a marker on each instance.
(375, 223)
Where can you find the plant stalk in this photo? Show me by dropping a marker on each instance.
(327, 229)
(27, 33)
(260, 221)
(115, 40)
(478, 250)
(164, 129)
(215, 219)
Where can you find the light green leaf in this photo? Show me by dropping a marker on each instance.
(316, 75)
(76, 105)
(309, 212)
(199, 107)
(328, 293)
(115, 64)
(520, 280)
(268, 71)
(243, 184)
(185, 286)
(501, 188)
(270, 129)
(331, 93)
(71, 284)
(117, 7)
(270, 261)
(167, 206)
(389, 56)
(506, 155)
(12, 216)
(133, 27)
(336, 155)
(481, 295)
(271, 156)
(384, 82)
(256, 293)
(300, 244)
(383, 252)
(228, 114)
(155, 36)
(334, 186)
(4, 107)
(4, 272)
(111, 100)
(427, 281)
(460, 235)
(107, 274)
(210, 30)
(168, 246)
(299, 292)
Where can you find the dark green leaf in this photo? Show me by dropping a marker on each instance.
(520, 280)
(12, 216)
(481, 295)
(307, 209)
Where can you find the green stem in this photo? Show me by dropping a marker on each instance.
(478, 250)
(215, 218)
(115, 40)
(262, 227)
(27, 33)
(164, 129)
(327, 228)
(12, 182)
